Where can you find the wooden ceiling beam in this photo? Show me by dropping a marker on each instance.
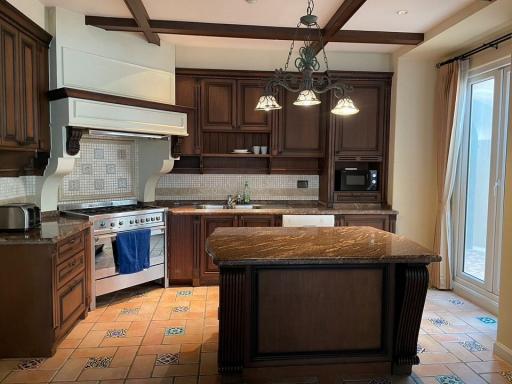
(344, 13)
(140, 14)
(249, 31)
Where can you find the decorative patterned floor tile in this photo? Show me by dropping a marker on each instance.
(129, 311)
(99, 362)
(456, 301)
(168, 359)
(487, 320)
(473, 346)
(174, 331)
(449, 380)
(420, 349)
(184, 293)
(115, 333)
(181, 309)
(438, 322)
(507, 375)
(30, 364)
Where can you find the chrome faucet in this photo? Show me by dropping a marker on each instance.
(230, 203)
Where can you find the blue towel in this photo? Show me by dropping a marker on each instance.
(132, 250)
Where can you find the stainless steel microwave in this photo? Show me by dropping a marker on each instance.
(353, 179)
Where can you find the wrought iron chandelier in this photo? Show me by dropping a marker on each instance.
(307, 85)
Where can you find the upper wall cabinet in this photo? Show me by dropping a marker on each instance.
(218, 104)
(24, 117)
(362, 136)
(249, 92)
(299, 132)
(188, 92)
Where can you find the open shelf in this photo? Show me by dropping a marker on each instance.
(234, 155)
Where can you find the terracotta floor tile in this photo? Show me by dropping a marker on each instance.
(438, 358)
(214, 379)
(94, 352)
(142, 367)
(121, 341)
(176, 370)
(57, 360)
(495, 378)
(210, 347)
(124, 356)
(69, 343)
(154, 380)
(80, 330)
(186, 380)
(93, 339)
(30, 376)
(158, 349)
(183, 339)
(111, 325)
(208, 363)
(489, 366)
(465, 373)
(104, 373)
(71, 369)
(431, 370)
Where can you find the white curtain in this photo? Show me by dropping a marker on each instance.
(452, 90)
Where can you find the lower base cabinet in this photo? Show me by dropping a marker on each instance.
(189, 264)
(49, 291)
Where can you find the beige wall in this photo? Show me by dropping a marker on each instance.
(504, 339)
(269, 59)
(31, 8)
(412, 185)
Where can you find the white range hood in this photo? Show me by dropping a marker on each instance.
(71, 117)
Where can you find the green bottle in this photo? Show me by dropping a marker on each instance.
(247, 196)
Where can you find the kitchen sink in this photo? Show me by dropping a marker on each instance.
(219, 206)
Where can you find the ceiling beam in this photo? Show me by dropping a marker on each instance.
(249, 31)
(140, 14)
(344, 13)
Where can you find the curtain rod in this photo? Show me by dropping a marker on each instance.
(483, 47)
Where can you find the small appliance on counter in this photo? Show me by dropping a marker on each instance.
(354, 179)
(19, 217)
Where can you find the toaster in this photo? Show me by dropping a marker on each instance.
(19, 217)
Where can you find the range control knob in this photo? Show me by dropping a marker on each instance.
(136, 221)
(131, 221)
(121, 223)
(102, 224)
(112, 224)
(147, 219)
(152, 219)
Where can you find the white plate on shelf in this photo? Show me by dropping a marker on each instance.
(241, 151)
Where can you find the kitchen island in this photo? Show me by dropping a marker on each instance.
(344, 300)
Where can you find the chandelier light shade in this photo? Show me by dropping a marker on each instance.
(267, 103)
(306, 84)
(306, 98)
(345, 107)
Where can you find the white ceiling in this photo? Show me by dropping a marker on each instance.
(373, 15)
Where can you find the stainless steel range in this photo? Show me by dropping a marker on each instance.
(110, 218)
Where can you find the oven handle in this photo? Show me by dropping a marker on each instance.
(154, 232)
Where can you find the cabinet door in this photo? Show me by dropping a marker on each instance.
(218, 104)
(9, 102)
(188, 94)
(70, 303)
(256, 221)
(249, 92)
(28, 91)
(42, 100)
(182, 245)
(300, 132)
(362, 134)
(375, 221)
(208, 271)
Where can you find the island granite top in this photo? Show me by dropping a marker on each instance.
(337, 245)
(52, 230)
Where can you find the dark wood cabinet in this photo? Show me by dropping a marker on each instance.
(362, 136)
(257, 221)
(188, 92)
(386, 222)
(249, 92)
(24, 116)
(218, 104)
(187, 259)
(300, 131)
(47, 289)
(208, 272)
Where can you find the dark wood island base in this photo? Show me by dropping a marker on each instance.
(330, 301)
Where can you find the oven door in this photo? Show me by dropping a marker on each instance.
(105, 260)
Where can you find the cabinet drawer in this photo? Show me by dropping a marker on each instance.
(366, 197)
(70, 302)
(70, 268)
(70, 246)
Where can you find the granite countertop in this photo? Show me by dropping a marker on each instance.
(275, 208)
(339, 245)
(53, 229)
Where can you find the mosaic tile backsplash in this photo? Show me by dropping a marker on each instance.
(217, 187)
(106, 169)
(17, 189)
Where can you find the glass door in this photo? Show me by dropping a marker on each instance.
(479, 189)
